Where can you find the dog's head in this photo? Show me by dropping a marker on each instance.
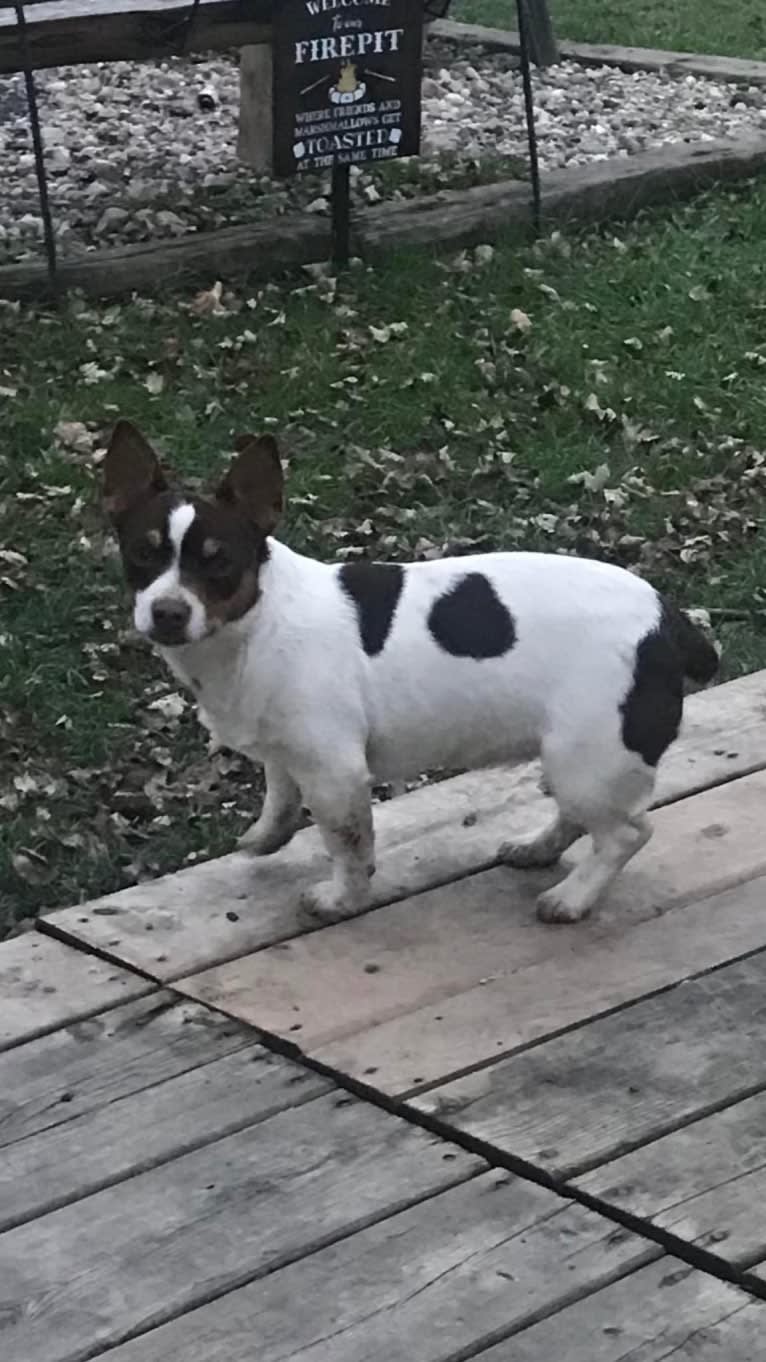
(192, 563)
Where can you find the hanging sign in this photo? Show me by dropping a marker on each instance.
(347, 82)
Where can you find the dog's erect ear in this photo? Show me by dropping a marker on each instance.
(131, 470)
(255, 482)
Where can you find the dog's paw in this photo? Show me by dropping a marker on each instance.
(560, 904)
(263, 839)
(529, 853)
(323, 903)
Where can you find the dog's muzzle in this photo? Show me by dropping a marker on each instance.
(170, 617)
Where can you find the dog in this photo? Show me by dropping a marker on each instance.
(334, 675)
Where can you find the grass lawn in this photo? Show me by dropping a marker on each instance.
(601, 394)
(733, 30)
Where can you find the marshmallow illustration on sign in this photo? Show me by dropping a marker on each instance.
(348, 90)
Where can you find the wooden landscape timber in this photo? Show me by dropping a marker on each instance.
(451, 219)
(73, 31)
(69, 32)
(736, 69)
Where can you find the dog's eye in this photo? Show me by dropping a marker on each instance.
(145, 552)
(218, 563)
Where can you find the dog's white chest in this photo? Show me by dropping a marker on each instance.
(228, 707)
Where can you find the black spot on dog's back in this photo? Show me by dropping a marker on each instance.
(652, 709)
(471, 621)
(375, 589)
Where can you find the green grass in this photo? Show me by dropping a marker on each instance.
(733, 30)
(644, 366)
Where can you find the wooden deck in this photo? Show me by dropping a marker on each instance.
(439, 1131)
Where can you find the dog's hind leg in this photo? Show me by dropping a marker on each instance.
(604, 789)
(544, 847)
(280, 816)
(615, 842)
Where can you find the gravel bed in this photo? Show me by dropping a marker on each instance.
(145, 151)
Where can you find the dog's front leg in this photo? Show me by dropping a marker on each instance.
(280, 815)
(341, 805)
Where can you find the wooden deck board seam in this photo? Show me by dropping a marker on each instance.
(691, 1254)
(537, 1042)
(143, 1166)
(668, 1128)
(47, 927)
(192, 1067)
(17, 1042)
(288, 1258)
(479, 1346)
(398, 1106)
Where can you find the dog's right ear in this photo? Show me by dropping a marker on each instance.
(131, 470)
(255, 481)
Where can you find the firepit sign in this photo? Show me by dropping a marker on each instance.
(347, 76)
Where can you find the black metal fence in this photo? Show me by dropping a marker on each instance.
(176, 37)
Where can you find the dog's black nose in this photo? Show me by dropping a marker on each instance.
(170, 617)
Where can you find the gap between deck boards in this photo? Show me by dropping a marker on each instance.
(438, 1125)
(692, 1254)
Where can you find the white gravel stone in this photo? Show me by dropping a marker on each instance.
(148, 150)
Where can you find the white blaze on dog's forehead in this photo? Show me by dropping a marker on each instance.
(179, 520)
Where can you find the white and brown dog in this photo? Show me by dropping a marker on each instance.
(334, 675)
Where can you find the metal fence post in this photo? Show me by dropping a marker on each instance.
(37, 143)
(526, 74)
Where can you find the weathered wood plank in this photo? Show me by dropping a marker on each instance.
(127, 1259)
(580, 973)
(160, 1122)
(334, 983)
(260, 250)
(737, 69)
(666, 1311)
(591, 193)
(60, 1076)
(706, 1182)
(226, 908)
(433, 1283)
(452, 218)
(255, 137)
(61, 32)
(598, 1092)
(45, 984)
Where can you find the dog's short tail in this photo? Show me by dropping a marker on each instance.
(698, 655)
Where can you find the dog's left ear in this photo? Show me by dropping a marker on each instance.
(131, 470)
(255, 482)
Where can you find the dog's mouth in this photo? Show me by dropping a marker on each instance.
(181, 635)
(169, 636)
(168, 640)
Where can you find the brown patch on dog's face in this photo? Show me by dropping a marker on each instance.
(142, 534)
(193, 564)
(220, 561)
